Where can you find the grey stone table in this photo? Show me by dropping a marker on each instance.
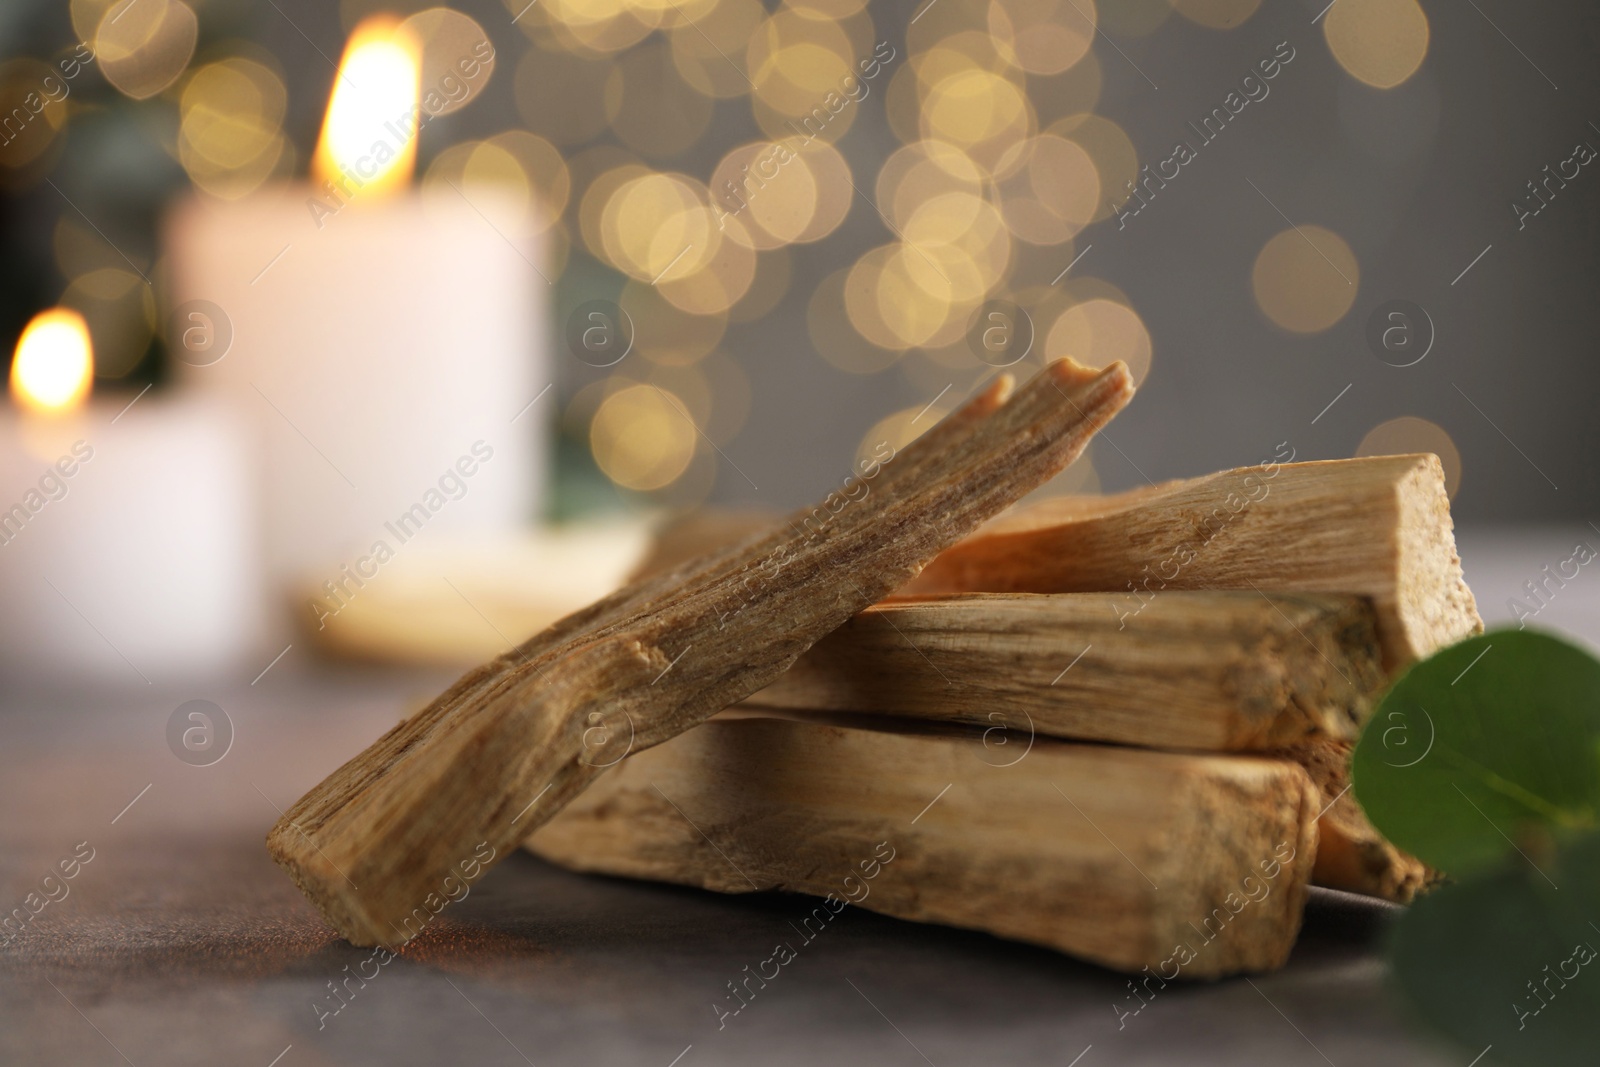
(179, 942)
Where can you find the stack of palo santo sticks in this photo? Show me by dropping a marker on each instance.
(1118, 726)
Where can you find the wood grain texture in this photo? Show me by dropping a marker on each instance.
(512, 742)
(1221, 671)
(1120, 856)
(1377, 526)
(1353, 855)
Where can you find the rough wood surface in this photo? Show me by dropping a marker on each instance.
(1186, 864)
(1378, 526)
(515, 740)
(1220, 671)
(1352, 854)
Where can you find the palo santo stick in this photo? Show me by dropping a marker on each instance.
(1377, 526)
(507, 745)
(1352, 854)
(1121, 856)
(1220, 671)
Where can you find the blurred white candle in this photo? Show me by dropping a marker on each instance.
(369, 335)
(126, 541)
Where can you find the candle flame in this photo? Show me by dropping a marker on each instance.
(368, 141)
(54, 362)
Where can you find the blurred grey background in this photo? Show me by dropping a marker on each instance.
(1419, 181)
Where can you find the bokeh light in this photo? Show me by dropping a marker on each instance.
(658, 227)
(642, 437)
(21, 82)
(1115, 159)
(230, 126)
(143, 48)
(524, 172)
(805, 74)
(1098, 332)
(1380, 42)
(455, 57)
(769, 188)
(1052, 197)
(119, 310)
(1305, 279)
(985, 114)
(1043, 36)
(720, 281)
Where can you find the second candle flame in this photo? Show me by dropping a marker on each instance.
(368, 143)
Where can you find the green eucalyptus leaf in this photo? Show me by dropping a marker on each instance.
(1510, 958)
(1479, 740)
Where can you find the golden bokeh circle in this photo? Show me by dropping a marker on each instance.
(549, 180)
(1305, 279)
(455, 58)
(835, 188)
(642, 437)
(120, 311)
(1380, 42)
(720, 281)
(230, 135)
(1108, 145)
(1409, 434)
(1098, 332)
(1043, 36)
(1052, 197)
(143, 48)
(917, 172)
(24, 83)
(601, 171)
(658, 227)
(769, 188)
(983, 113)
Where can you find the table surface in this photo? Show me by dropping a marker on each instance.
(180, 942)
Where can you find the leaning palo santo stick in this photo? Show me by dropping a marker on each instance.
(1377, 526)
(1219, 671)
(505, 747)
(1186, 864)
